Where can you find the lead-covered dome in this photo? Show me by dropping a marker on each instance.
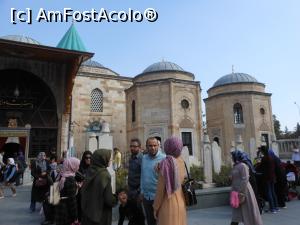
(21, 38)
(92, 63)
(163, 66)
(235, 78)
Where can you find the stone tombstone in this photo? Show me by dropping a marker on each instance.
(252, 148)
(232, 149)
(216, 156)
(106, 142)
(207, 160)
(239, 143)
(105, 128)
(93, 142)
(186, 157)
(274, 145)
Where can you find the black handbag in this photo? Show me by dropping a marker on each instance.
(189, 190)
(79, 177)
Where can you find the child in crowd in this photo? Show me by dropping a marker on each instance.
(130, 210)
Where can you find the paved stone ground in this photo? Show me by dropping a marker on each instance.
(15, 211)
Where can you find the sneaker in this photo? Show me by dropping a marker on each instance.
(273, 211)
(14, 195)
(1, 197)
(277, 210)
(284, 207)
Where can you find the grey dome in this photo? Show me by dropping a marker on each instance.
(163, 66)
(235, 78)
(92, 63)
(21, 38)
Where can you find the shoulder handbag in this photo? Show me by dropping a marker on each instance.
(54, 197)
(189, 190)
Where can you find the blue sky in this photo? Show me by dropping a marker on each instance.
(205, 37)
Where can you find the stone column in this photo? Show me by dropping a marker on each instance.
(207, 162)
(64, 132)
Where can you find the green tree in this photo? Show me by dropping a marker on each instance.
(277, 130)
(296, 134)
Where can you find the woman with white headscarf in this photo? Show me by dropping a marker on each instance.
(9, 177)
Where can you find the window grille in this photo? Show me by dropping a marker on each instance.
(238, 113)
(96, 100)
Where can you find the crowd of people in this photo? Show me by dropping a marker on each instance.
(154, 185)
(264, 181)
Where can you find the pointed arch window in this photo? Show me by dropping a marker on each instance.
(96, 100)
(238, 113)
(133, 111)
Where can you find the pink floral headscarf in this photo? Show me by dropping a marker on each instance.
(70, 167)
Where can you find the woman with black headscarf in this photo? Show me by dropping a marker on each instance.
(97, 199)
(85, 162)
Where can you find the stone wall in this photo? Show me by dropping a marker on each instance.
(114, 107)
(220, 117)
(159, 111)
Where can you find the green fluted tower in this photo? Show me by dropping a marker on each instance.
(71, 40)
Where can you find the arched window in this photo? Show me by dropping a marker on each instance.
(238, 113)
(133, 111)
(96, 100)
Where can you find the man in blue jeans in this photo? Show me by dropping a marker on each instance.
(149, 177)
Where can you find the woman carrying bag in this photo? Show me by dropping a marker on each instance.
(243, 201)
(169, 204)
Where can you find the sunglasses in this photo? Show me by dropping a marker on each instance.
(88, 157)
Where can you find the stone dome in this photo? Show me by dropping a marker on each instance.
(92, 63)
(235, 78)
(21, 38)
(163, 66)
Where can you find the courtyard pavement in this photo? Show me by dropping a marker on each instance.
(15, 211)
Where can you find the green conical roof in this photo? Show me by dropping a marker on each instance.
(71, 40)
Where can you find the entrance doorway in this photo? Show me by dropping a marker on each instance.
(28, 100)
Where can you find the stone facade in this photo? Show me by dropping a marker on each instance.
(158, 108)
(256, 114)
(159, 112)
(114, 105)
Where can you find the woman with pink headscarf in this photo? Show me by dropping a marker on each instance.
(66, 211)
(169, 206)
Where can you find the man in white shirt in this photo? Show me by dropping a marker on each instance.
(296, 157)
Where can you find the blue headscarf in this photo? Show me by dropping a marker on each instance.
(239, 156)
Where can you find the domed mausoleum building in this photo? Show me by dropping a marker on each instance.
(165, 100)
(60, 98)
(238, 108)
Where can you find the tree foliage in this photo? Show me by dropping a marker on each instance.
(286, 134)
